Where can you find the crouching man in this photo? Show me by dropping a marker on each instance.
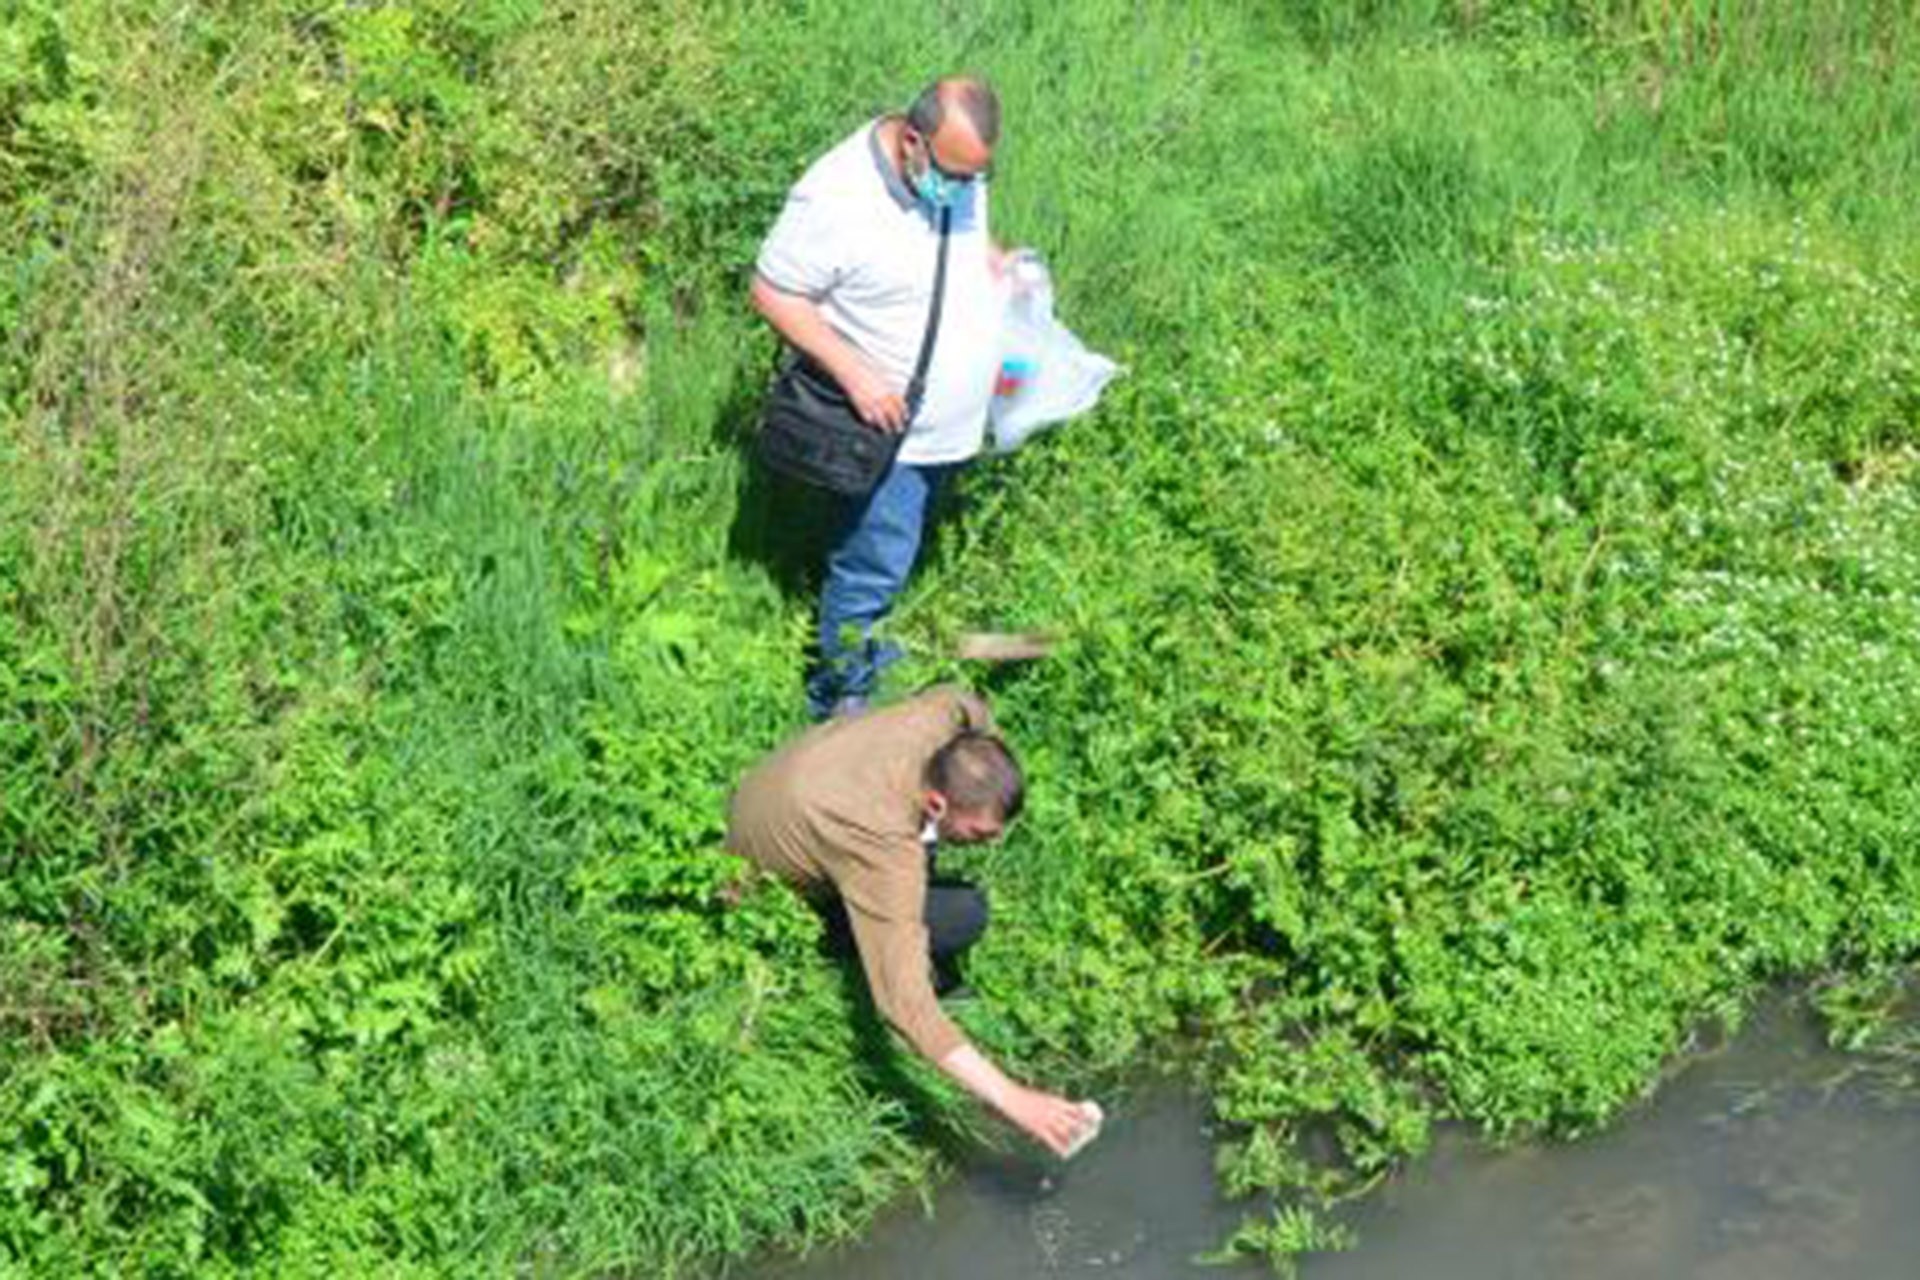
(850, 813)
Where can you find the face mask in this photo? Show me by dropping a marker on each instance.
(935, 189)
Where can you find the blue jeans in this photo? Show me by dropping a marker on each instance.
(872, 547)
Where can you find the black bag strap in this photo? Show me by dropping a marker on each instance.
(917, 385)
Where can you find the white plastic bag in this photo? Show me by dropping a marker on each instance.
(1046, 374)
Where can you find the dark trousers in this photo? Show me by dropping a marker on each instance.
(956, 916)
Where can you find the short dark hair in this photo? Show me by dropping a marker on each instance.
(977, 773)
(975, 98)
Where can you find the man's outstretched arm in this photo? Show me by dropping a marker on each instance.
(894, 954)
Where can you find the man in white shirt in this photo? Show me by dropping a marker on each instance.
(846, 276)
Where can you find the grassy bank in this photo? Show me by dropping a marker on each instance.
(1489, 598)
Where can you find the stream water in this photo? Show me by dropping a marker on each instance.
(1772, 1158)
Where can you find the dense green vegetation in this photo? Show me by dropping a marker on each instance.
(1489, 599)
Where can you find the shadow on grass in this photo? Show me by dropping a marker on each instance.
(785, 527)
(781, 526)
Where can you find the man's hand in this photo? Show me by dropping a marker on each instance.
(799, 321)
(877, 403)
(1051, 1121)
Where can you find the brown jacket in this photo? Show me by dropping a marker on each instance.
(840, 809)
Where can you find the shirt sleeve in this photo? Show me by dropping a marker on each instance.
(894, 954)
(804, 253)
(887, 912)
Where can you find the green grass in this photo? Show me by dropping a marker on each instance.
(1487, 599)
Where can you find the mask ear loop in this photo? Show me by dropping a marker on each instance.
(929, 164)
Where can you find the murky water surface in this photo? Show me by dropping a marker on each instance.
(1768, 1160)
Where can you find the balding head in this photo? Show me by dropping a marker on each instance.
(966, 100)
(977, 786)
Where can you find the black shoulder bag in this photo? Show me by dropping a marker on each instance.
(811, 431)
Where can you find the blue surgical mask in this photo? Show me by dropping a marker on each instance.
(935, 189)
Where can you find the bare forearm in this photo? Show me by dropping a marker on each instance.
(799, 321)
(967, 1067)
(878, 402)
(1050, 1120)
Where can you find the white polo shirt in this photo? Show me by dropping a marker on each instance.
(854, 240)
